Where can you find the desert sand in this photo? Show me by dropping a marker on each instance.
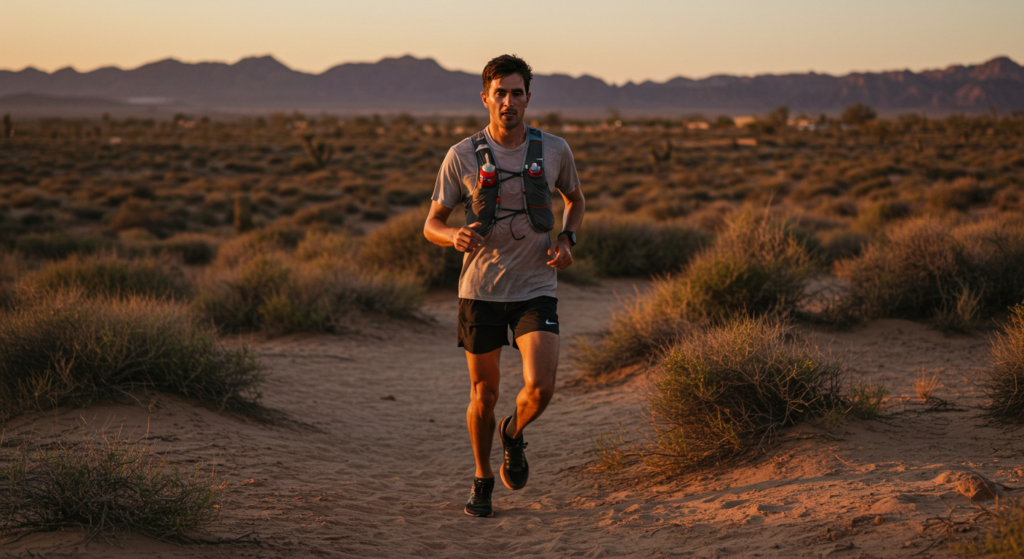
(379, 463)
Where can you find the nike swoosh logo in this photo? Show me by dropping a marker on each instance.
(549, 322)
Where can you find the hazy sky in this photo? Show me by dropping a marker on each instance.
(615, 40)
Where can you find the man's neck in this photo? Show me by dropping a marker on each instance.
(508, 139)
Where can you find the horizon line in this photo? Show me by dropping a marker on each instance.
(434, 60)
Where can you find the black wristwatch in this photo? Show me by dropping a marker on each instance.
(572, 237)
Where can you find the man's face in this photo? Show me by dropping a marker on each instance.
(506, 99)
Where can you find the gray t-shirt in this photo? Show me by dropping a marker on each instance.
(504, 269)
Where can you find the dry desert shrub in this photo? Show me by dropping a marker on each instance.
(1007, 541)
(932, 269)
(70, 349)
(135, 213)
(107, 276)
(959, 195)
(1005, 382)
(866, 400)
(399, 247)
(105, 484)
(12, 267)
(277, 294)
(756, 266)
(264, 241)
(840, 244)
(731, 390)
(190, 248)
(630, 246)
(58, 245)
(876, 216)
(319, 244)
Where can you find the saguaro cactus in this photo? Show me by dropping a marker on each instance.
(8, 127)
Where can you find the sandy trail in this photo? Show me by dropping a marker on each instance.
(385, 465)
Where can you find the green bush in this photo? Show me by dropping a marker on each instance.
(107, 276)
(399, 247)
(69, 349)
(277, 295)
(628, 246)
(1005, 382)
(104, 484)
(931, 269)
(731, 390)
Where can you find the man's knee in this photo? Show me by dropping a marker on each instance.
(484, 395)
(541, 391)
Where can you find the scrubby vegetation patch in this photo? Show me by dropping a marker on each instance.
(936, 270)
(105, 485)
(732, 389)
(69, 349)
(1005, 382)
(756, 266)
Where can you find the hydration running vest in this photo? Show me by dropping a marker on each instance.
(486, 200)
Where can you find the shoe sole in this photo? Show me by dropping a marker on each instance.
(469, 513)
(501, 436)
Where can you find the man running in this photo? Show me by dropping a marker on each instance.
(508, 275)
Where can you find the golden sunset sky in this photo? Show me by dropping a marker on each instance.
(617, 41)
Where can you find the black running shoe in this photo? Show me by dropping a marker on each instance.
(514, 470)
(480, 499)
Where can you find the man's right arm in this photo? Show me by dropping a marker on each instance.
(437, 230)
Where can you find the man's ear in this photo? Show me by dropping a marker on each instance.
(483, 97)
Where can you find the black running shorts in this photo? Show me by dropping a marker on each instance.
(483, 325)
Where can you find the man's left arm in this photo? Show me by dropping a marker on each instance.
(559, 251)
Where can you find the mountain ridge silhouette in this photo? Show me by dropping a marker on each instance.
(422, 84)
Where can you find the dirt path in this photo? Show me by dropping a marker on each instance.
(386, 466)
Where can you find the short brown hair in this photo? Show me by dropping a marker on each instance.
(506, 65)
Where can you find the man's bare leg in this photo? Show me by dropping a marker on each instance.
(484, 375)
(540, 363)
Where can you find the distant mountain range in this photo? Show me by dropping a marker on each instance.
(422, 85)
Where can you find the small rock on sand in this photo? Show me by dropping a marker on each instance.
(971, 485)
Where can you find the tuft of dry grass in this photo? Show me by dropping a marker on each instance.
(925, 385)
(105, 484)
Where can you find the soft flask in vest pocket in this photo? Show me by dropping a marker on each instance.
(536, 193)
(484, 204)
